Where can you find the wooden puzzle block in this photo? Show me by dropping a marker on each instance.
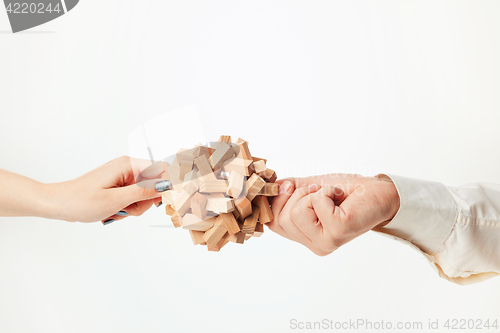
(221, 155)
(225, 138)
(254, 185)
(213, 235)
(218, 246)
(176, 220)
(251, 222)
(270, 190)
(191, 186)
(193, 222)
(182, 203)
(169, 210)
(266, 213)
(259, 230)
(197, 237)
(203, 165)
(255, 159)
(244, 167)
(173, 171)
(167, 197)
(268, 175)
(213, 185)
(230, 222)
(259, 166)
(243, 206)
(236, 184)
(220, 205)
(244, 151)
(198, 203)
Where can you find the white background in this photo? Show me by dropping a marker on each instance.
(409, 88)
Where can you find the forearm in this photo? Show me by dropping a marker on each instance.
(22, 196)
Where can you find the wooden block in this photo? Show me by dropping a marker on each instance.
(230, 222)
(268, 175)
(236, 184)
(220, 205)
(169, 210)
(221, 155)
(213, 185)
(213, 235)
(240, 237)
(173, 171)
(182, 203)
(193, 222)
(204, 167)
(197, 237)
(244, 167)
(254, 185)
(167, 198)
(187, 155)
(218, 246)
(270, 190)
(259, 166)
(191, 186)
(244, 151)
(255, 159)
(247, 236)
(243, 206)
(259, 230)
(225, 138)
(176, 220)
(185, 167)
(251, 221)
(266, 213)
(198, 203)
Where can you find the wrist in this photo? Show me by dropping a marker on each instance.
(392, 198)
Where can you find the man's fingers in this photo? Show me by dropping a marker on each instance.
(305, 218)
(325, 203)
(277, 205)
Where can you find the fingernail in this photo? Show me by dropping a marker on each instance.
(285, 187)
(161, 203)
(108, 221)
(122, 213)
(163, 186)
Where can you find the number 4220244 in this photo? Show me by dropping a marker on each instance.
(33, 8)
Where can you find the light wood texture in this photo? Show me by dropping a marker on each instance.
(204, 167)
(169, 210)
(259, 230)
(182, 203)
(193, 222)
(270, 190)
(213, 235)
(197, 237)
(244, 167)
(213, 185)
(191, 186)
(254, 185)
(266, 213)
(220, 205)
(251, 222)
(230, 222)
(244, 207)
(259, 166)
(225, 138)
(176, 220)
(221, 154)
(244, 151)
(236, 184)
(198, 203)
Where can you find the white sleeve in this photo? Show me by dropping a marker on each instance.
(457, 228)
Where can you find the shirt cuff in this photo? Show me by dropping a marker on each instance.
(426, 215)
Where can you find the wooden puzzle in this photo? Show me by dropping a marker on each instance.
(220, 193)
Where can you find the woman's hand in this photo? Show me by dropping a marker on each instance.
(124, 186)
(325, 212)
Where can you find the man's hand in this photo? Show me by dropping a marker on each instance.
(325, 212)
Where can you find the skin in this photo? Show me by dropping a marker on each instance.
(123, 184)
(325, 212)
